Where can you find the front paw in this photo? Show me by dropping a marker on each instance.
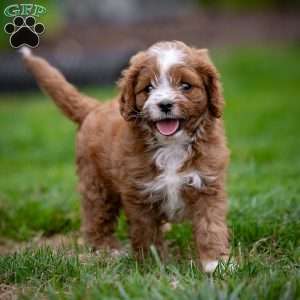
(224, 263)
(209, 266)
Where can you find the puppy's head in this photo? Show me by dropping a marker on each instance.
(168, 88)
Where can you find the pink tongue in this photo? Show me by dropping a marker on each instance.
(167, 127)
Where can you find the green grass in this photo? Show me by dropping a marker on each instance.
(38, 197)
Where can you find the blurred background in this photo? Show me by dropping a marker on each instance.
(91, 40)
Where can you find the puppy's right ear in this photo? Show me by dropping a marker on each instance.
(127, 97)
(126, 85)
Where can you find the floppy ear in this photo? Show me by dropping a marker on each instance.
(127, 97)
(212, 83)
(126, 85)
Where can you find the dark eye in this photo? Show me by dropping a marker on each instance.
(148, 88)
(184, 86)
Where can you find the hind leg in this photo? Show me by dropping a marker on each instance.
(100, 209)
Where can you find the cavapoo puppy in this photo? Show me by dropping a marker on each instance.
(158, 150)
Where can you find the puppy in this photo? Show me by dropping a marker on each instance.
(158, 150)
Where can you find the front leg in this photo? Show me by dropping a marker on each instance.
(210, 228)
(144, 228)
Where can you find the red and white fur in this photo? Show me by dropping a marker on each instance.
(158, 150)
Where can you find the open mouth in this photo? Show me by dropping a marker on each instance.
(167, 127)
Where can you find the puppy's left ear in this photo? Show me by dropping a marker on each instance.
(212, 83)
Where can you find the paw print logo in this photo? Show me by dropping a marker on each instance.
(24, 32)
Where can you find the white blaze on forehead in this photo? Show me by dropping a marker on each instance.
(167, 57)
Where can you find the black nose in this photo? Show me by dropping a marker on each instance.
(165, 106)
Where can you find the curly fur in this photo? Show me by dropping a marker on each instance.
(123, 161)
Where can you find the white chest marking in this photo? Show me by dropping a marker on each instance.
(167, 186)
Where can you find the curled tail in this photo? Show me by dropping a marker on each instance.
(72, 103)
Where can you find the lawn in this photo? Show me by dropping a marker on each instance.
(39, 202)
